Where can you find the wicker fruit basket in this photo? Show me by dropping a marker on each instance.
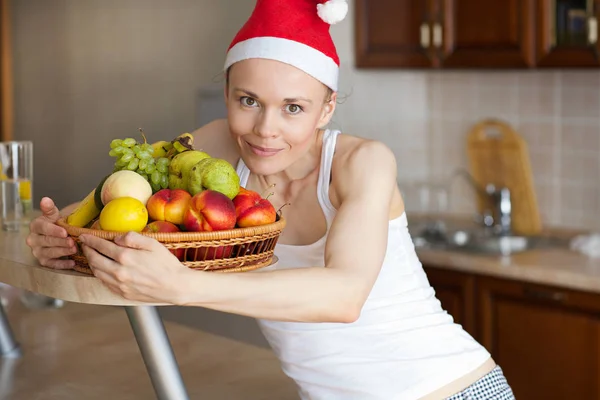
(234, 250)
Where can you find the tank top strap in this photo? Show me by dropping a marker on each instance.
(327, 153)
(243, 172)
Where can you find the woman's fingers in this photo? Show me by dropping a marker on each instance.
(103, 246)
(107, 278)
(45, 255)
(49, 209)
(99, 261)
(60, 264)
(136, 241)
(41, 226)
(35, 240)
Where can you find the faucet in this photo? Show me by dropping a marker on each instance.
(499, 219)
(501, 199)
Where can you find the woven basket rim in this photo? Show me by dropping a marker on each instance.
(276, 226)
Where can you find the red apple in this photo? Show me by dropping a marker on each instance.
(168, 205)
(209, 210)
(165, 226)
(212, 253)
(252, 210)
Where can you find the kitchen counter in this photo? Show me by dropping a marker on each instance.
(559, 267)
(19, 268)
(556, 267)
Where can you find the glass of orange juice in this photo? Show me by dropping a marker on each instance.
(16, 183)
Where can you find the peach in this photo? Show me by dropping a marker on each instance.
(209, 210)
(125, 183)
(168, 205)
(165, 226)
(252, 210)
(96, 225)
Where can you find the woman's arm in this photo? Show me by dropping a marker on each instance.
(354, 252)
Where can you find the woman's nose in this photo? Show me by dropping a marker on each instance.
(267, 124)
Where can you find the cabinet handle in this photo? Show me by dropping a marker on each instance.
(425, 36)
(592, 30)
(437, 35)
(545, 294)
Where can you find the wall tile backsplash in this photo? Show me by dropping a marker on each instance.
(558, 114)
(424, 117)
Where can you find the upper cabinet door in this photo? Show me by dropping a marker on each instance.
(486, 33)
(393, 33)
(568, 33)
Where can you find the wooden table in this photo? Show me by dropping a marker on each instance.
(19, 268)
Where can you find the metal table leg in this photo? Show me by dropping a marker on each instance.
(157, 353)
(9, 348)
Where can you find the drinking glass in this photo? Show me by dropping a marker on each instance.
(16, 183)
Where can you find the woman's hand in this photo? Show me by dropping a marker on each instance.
(136, 267)
(48, 241)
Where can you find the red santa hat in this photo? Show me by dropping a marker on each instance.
(295, 32)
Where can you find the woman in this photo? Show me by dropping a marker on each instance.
(348, 309)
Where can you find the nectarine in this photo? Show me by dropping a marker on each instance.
(253, 210)
(209, 210)
(169, 205)
(165, 226)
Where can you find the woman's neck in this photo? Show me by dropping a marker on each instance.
(301, 169)
(285, 185)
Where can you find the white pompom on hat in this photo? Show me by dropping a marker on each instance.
(332, 11)
(295, 32)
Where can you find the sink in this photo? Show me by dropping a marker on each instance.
(483, 242)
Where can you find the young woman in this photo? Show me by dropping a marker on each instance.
(348, 308)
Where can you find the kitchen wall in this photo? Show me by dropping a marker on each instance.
(424, 117)
(89, 71)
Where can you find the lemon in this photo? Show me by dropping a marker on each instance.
(124, 214)
(25, 189)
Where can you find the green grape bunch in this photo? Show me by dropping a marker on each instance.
(138, 157)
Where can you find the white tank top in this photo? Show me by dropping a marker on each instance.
(403, 346)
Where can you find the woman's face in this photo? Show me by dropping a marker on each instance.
(274, 111)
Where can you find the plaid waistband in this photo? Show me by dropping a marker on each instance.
(492, 386)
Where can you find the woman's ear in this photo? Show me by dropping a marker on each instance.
(328, 110)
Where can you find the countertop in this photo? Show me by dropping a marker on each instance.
(19, 268)
(560, 267)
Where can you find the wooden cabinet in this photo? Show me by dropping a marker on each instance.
(546, 339)
(476, 34)
(567, 33)
(393, 33)
(487, 34)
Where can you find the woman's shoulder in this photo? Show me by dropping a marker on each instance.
(214, 138)
(357, 160)
(352, 150)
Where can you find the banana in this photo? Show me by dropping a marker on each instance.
(85, 212)
(161, 148)
(181, 143)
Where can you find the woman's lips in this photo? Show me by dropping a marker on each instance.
(263, 151)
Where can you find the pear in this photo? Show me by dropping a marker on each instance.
(180, 166)
(214, 174)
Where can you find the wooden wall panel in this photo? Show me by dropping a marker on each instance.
(6, 84)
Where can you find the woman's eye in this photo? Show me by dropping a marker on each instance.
(293, 108)
(248, 101)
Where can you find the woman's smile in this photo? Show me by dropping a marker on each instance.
(263, 151)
